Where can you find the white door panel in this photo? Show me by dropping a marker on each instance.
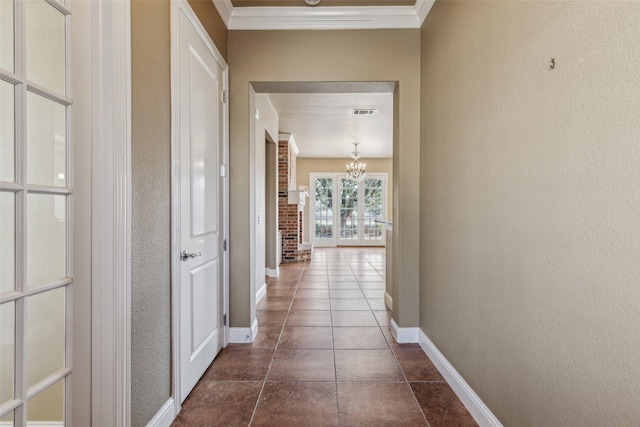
(204, 322)
(204, 84)
(201, 199)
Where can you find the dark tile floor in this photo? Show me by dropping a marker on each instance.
(324, 356)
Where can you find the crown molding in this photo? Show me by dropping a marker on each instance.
(225, 9)
(323, 18)
(423, 7)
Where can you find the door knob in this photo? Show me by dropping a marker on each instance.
(186, 255)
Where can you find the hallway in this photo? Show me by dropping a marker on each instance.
(324, 355)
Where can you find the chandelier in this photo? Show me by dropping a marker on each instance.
(356, 169)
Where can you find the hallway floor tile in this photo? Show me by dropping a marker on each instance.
(324, 356)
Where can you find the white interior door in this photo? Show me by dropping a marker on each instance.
(201, 206)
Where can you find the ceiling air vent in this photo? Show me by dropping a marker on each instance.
(363, 111)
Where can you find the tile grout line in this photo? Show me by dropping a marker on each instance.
(393, 353)
(333, 346)
(370, 309)
(406, 381)
(273, 356)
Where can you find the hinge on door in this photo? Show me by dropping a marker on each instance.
(223, 170)
(224, 96)
(224, 244)
(224, 320)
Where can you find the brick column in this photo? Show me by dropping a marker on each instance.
(288, 220)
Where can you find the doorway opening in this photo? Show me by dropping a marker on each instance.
(324, 119)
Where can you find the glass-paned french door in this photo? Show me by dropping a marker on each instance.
(35, 213)
(323, 208)
(344, 212)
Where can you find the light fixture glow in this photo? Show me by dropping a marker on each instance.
(356, 170)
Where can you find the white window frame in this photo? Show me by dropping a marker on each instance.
(21, 188)
(335, 241)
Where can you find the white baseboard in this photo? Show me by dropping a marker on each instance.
(388, 301)
(262, 292)
(404, 335)
(35, 423)
(244, 335)
(476, 407)
(165, 416)
(272, 272)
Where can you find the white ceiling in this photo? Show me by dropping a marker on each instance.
(323, 125)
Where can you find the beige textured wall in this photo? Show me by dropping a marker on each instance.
(530, 184)
(271, 205)
(266, 127)
(319, 165)
(380, 55)
(212, 22)
(151, 226)
(151, 185)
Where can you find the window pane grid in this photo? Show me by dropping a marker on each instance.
(373, 207)
(41, 45)
(45, 50)
(47, 382)
(7, 242)
(45, 339)
(7, 353)
(323, 208)
(359, 205)
(7, 51)
(48, 405)
(7, 131)
(48, 93)
(46, 141)
(16, 295)
(61, 6)
(349, 215)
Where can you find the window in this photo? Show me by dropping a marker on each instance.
(35, 193)
(344, 212)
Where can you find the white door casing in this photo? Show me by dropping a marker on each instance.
(200, 199)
